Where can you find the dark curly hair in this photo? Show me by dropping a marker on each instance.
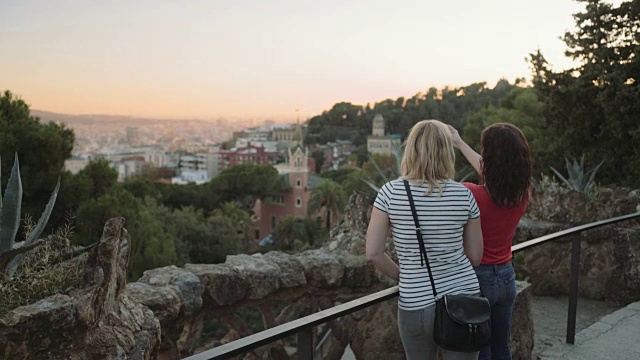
(505, 164)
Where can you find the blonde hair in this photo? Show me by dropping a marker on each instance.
(428, 154)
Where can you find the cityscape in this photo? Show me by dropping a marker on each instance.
(333, 180)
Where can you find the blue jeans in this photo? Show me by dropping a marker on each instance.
(498, 284)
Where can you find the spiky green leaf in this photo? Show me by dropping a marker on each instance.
(10, 218)
(44, 218)
(37, 230)
(562, 177)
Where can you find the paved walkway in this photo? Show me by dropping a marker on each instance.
(615, 336)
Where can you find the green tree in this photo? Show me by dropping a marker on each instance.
(327, 195)
(247, 182)
(240, 218)
(350, 179)
(522, 108)
(42, 149)
(297, 234)
(199, 196)
(592, 109)
(101, 175)
(381, 168)
(198, 238)
(318, 156)
(141, 188)
(151, 246)
(153, 173)
(90, 183)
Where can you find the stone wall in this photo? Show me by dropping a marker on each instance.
(181, 298)
(97, 321)
(610, 255)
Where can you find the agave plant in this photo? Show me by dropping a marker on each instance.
(398, 152)
(578, 180)
(10, 208)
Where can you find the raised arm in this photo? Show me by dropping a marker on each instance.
(472, 157)
(375, 246)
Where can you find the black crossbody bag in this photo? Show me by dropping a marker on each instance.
(462, 322)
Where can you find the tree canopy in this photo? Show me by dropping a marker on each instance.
(42, 149)
(593, 109)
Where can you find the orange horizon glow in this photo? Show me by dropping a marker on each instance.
(253, 59)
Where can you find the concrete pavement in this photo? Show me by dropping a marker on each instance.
(615, 336)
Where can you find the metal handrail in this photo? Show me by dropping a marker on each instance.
(571, 231)
(304, 326)
(308, 322)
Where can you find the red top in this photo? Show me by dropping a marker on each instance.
(498, 225)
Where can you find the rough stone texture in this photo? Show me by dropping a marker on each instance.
(185, 284)
(182, 298)
(375, 334)
(609, 266)
(522, 333)
(559, 205)
(223, 285)
(291, 270)
(97, 321)
(321, 269)
(260, 275)
(529, 229)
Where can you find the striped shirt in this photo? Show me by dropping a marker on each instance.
(442, 219)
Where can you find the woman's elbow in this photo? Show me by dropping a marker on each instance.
(372, 257)
(475, 260)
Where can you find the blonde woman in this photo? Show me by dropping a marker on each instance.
(450, 223)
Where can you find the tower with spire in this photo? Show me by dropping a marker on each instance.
(297, 171)
(378, 142)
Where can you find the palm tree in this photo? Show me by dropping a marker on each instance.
(328, 195)
(287, 229)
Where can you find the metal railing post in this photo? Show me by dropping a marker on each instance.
(305, 343)
(573, 288)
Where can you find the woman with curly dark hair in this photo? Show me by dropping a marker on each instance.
(505, 173)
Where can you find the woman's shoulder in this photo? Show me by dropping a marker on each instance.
(471, 186)
(459, 186)
(395, 182)
(392, 185)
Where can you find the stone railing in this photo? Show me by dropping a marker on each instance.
(182, 298)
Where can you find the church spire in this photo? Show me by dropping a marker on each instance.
(298, 127)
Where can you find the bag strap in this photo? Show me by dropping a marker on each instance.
(423, 251)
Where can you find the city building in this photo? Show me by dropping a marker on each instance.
(298, 173)
(250, 154)
(379, 142)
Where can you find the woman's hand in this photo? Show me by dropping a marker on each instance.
(455, 137)
(472, 157)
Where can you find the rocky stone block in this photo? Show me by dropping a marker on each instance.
(261, 275)
(291, 271)
(222, 284)
(186, 285)
(321, 269)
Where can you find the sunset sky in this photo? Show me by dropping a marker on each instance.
(263, 58)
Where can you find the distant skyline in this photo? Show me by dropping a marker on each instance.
(261, 59)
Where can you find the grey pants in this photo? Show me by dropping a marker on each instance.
(416, 332)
